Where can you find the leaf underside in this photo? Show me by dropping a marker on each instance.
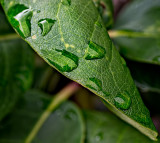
(78, 46)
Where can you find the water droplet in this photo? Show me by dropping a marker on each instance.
(38, 11)
(24, 77)
(20, 17)
(46, 25)
(99, 137)
(63, 60)
(66, 2)
(143, 118)
(99, 24)
(94, 84)
(123, 101)
(94, 51)
(156, 59)
(123, 62)
(70, 115)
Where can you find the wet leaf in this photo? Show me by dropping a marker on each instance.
(80, 49)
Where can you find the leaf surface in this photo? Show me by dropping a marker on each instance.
(76, 43)
(63, 125)
(105, 127)
(137, 31)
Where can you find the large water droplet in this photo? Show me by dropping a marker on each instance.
(70, 115)
(94, 51)
(66, 2)
(94, 84)
(99, 137)
(20, 17)
(123, 101)
(156, 59)
(46, 25)
(63, 60)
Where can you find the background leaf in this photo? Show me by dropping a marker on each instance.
(137, 31)
(104, 127)
(63, 125)
(68, 35)
(15, 72)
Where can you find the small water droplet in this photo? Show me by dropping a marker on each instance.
(38, 11)
(63, 60)
(98, 24)
(70, 115)
(123, 101)
(46, 25)
(156, 59)
(123, 61)
(24, 77)
(94, 84)
(66, 2)
(99, 137)
(94, 51)
(20, 17)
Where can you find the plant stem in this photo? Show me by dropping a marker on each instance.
(125, 33)
(9, 37)
(63, 95)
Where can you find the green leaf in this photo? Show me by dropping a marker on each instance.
(16, 67)
(147, 82)
(104, 127)
(105, 8)
(137, 31)
(63, 125)
(5, 28)
(81, 50)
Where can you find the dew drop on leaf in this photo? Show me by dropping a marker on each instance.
(94, 51)
(123, 101)
(99, 137)
(94, 84)
(123, 62)
(20, 17)
(46, 25)
(66, 2)
(156, 59)
(70, 115)
(98, 24)
(63, 60)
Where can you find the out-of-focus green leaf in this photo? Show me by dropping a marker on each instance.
(16, 69)
(106, 128)
(72, 38)
(64, 125)
(5, 28)
(105, 8)
(137, 31)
